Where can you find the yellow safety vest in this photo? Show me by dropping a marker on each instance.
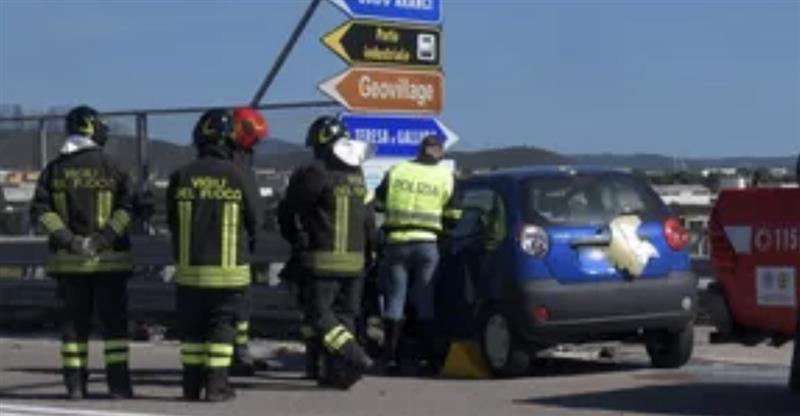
(415, 202)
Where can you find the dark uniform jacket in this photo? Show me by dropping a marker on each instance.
(326, 219)
(213, 213)
(79, 194)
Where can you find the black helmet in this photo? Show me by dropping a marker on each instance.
(214, 127)
(85, 120)
(324, 131)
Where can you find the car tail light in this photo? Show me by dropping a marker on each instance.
(534, 240)
(541, 313)
(675, 234)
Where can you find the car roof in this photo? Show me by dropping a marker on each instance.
(547, 171)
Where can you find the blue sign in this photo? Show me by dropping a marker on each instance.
(396, 136)
(424, 11)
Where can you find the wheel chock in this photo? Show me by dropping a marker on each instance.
(464, 360)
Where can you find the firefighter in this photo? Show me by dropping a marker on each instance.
(212, 210)
(83, 201)
(325, 218)
(297, 275)
(417, 198)
(249, 128)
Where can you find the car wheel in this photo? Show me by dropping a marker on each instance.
(503, 353)
(669, 349)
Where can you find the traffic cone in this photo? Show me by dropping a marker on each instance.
(464, 360)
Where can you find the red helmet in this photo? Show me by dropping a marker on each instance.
(249, 126)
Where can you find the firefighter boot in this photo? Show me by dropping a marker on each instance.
(393, 330)
(118, 379)
(794, 373)
(339, 374)
(217, 387)
(75, 382)
(428, 359)
(322, 368)
(312, 359)
(243, 365)
(354, 355)
(193, 381)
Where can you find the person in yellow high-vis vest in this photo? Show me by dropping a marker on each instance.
(213, 211)
(417, 199)
(83, 201)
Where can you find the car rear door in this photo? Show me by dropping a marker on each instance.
(581, 212)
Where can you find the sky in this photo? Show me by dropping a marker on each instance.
(686, 78)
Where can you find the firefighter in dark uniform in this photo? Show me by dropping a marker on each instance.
(83, 202)
(212, 210)
(249, 127)
(325, 218)
(298, 276)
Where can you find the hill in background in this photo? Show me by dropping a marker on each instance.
(18, 147)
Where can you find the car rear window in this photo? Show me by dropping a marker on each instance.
(589, 199)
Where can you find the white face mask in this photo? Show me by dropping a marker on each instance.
(352, 152)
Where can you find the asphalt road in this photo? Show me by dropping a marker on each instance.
(720, 380)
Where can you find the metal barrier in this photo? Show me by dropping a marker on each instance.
(33, 299)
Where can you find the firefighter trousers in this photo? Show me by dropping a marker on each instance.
(332, 309)
(80, 295)
(207, 321)
(243, 313)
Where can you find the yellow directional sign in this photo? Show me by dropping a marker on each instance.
(379, 43)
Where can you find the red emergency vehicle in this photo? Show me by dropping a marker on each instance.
(755, 252)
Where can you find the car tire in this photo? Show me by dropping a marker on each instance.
(503, 353)
(670, 349)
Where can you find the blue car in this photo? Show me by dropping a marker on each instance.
(552, 255)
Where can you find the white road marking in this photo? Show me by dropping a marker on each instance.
(24, 410)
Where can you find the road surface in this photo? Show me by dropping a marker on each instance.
(720, 380)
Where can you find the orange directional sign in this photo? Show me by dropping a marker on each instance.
(387, 90)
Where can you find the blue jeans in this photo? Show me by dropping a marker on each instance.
(409, 264)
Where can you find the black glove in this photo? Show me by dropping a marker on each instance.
(97, 243)
(370, 260)
(79, 245)
(62, 239)
(300, 242)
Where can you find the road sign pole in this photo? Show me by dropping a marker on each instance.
(287, 49)
(41, 157)
(142, 154)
